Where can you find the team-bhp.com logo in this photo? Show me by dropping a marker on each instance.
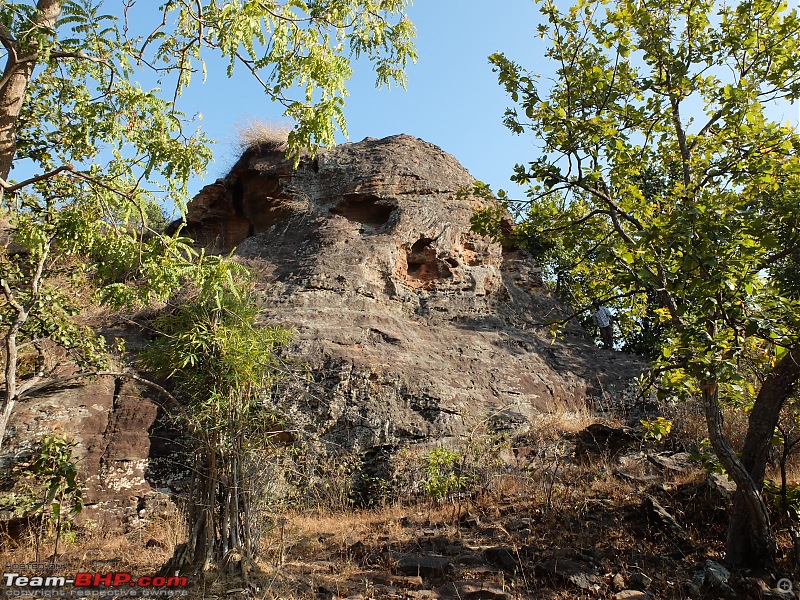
(17, 585)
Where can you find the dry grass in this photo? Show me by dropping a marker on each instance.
(257, 134)
(549, 427)
(529, 496)
(141, 551)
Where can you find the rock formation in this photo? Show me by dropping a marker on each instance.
(416, 328)
(124, 450)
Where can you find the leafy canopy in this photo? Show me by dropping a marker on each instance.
(92, 139)
(663, 185)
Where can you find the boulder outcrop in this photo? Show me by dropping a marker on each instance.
(416, 328)
(125, 450)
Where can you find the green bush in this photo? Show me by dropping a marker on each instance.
(443, 477)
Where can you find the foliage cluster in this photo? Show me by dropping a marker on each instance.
(442, 477)
(665, 188)
(656, 429)
(48, 491)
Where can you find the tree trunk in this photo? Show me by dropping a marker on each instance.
(742, 547)
(10, 398)
(759, 533)
(20, 63)
(17, 74)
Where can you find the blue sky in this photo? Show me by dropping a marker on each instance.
(452, 98)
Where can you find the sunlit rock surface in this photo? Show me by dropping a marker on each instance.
(416, 328)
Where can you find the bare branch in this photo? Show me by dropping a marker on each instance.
(10, 296)
(88, 178)
(714, 118)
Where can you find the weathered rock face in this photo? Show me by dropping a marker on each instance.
(416, 328)
(122, 446)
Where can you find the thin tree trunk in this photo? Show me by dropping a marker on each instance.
(759, 533)
(11, 353)
(11, 380)
(742, 547)
(20, 64)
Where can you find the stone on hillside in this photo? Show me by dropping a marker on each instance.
(402, 581)
(473, 590)
(423, 565)
(599, 439)
(618, 582)
(714, 578)
(715, 573)
(662, 518)
(640, 581)
(122, 445)
(422, 594)
(504, 557)
(722, 485)
(577, 573)
(632, 595)
(677, 462)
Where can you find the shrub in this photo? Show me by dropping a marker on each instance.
(443, 477)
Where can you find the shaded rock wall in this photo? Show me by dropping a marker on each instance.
(124, 446)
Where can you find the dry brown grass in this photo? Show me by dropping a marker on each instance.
(542, 506)
(89, 546)
(258, 134)
(549, 427)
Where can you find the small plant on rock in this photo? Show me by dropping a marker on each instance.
(657, 429)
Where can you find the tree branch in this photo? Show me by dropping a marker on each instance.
(576, 313)
(715, 117)
(11, 188)
(10, 296)
(8, 40)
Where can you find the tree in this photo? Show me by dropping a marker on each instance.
(222, 365)
(660, 161)
(85, 141)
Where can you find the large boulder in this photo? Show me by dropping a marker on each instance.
(416, 328)
(125, 449)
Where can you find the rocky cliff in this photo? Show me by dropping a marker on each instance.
(416, 328)
(125, 450)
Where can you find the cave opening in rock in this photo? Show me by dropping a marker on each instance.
(423, 265)
(364, 209)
